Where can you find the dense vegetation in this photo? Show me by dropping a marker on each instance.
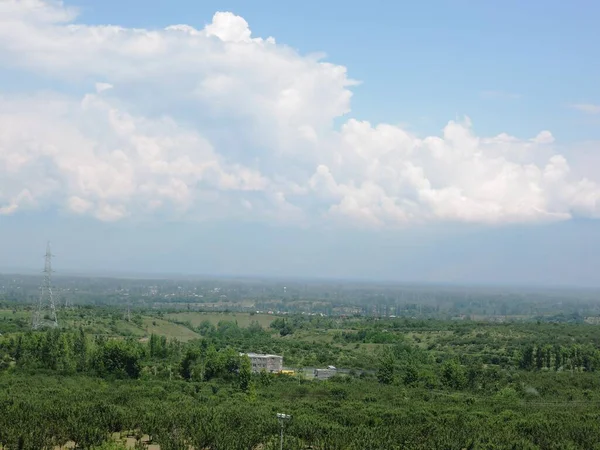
(177, 380)
(45, 410)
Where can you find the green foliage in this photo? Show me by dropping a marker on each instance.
(366, 336)
(117, 358)
(245, 372)
(188, 362)
(42, 411)
(414, 384)
(284, 327)
(137, 319)
(387, 363)
(411, 375)
(453, 375)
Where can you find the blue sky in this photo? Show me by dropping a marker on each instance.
(205, 152)
(421, 63)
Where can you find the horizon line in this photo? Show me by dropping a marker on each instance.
(133, 275)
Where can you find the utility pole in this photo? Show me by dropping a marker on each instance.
(46, 297)
(282, 417)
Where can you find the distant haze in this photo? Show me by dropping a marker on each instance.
(564, 254)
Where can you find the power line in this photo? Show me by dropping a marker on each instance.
(46, 300)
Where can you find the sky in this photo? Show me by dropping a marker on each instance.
(429, 141)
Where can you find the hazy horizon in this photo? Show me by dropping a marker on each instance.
(452, 258)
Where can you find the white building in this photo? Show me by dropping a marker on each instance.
(268, 363)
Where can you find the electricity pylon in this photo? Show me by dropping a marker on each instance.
(40, 318)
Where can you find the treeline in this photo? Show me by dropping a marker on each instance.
(560, 357)
(409, 366)
(67, 352)
(367, 336)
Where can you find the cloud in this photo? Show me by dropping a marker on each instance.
(587, 108)
(101, 87)
(499, 95)
(192, 124)
(543, 137)
(19, 200)
(91, 157)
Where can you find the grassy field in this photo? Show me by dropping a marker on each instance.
(97, 324)
(314, 336)
(9, 314)
(242, 319)
(128, 329)
(169, 329)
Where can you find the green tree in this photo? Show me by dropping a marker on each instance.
(188, 362)
(539, 358)
(80, 348)
(527, 359)
(118, 358)
(453, 375)
(65, 362)
(387, 362)
(230, 362)
(411, 375)
(557, 357)
(212, 364)
(245, 372)
(206, 328)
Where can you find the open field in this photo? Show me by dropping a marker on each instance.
(12, 314)
(125, 328)
(114, 325)
(169, 329)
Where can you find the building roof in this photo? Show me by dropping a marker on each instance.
(260, 355)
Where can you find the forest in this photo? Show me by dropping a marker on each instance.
(160, 379)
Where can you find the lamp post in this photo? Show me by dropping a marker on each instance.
(282, 417)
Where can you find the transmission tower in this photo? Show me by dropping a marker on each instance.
(45, 314)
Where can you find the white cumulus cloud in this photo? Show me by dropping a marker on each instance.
(191, 124)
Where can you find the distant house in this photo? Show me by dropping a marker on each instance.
(268, 363)
(323, 374)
